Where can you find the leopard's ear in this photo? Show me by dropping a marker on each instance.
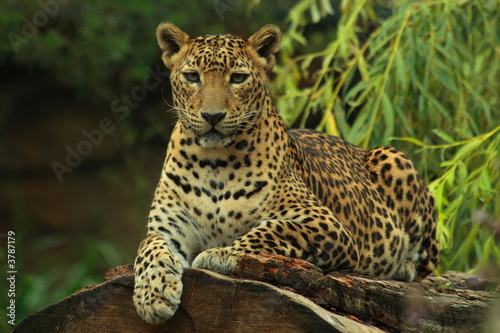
(171, 39)
(266, 42)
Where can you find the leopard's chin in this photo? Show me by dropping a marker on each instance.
(214, 139)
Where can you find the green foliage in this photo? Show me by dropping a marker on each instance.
(467, 198)
(51, 274)
(102, 48)
(425, 79)
(66, 45)
(64, 275)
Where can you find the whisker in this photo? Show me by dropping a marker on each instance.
(163, 97)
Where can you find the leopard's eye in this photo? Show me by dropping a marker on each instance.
(238, 78)
(192, 77)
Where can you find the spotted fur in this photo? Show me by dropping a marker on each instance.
(236, 181)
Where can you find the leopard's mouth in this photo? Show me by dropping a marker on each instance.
(214, 138)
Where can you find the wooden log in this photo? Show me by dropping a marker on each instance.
(455, 302)
(211, 302)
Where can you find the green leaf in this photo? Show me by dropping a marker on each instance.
(450, 179)
(415, 141)
(442, 110)
(443, 135)
(327, 7)
(484, 182)
(445, 79)
(363, 88)
(400, 71)
(299, 38)
(465, 150)
(388, 113)
(315, 14)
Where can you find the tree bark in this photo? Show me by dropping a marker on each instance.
(294, 296)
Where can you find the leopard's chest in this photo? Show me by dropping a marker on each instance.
(222, 198)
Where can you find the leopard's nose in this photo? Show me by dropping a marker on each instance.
(213, 118)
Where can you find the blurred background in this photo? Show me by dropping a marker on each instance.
(84, 120)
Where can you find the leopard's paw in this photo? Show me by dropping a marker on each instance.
(220, 260)
(157, 292)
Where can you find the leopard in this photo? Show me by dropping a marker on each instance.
(237, 181)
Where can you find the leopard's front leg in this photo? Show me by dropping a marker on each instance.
(325, 242)
(158, 274)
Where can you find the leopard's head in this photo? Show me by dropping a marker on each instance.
(219, 82)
